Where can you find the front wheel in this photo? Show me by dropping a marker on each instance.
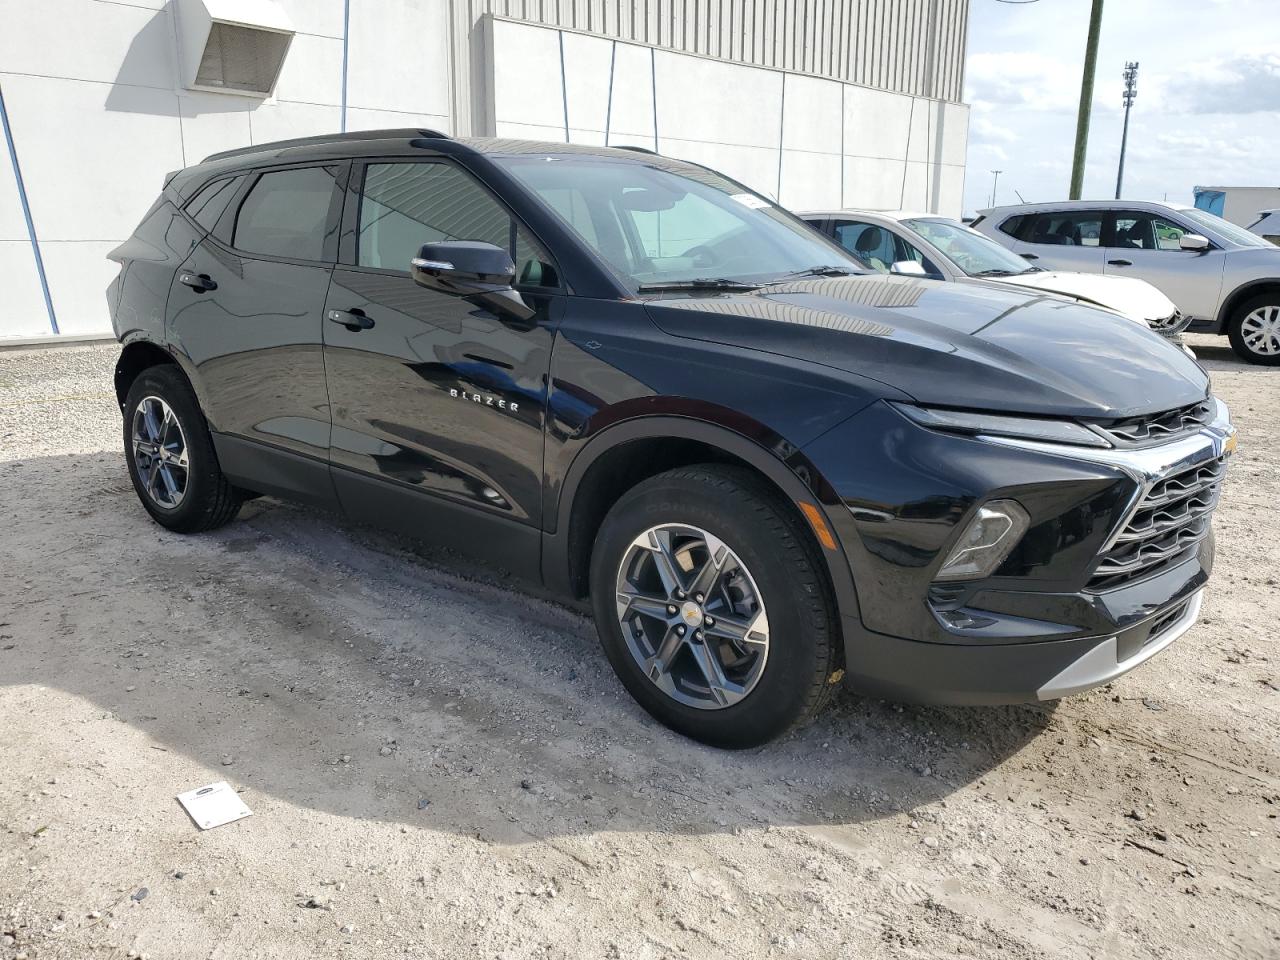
(170, 454)
(712, 606)
(1254, 330)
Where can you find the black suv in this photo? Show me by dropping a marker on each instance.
(634, 380)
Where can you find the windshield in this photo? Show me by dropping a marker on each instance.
(1224, 228)
(658, 225)
(976, 255)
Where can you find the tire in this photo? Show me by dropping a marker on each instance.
(1257, 321)
(770, 564)
(186, 490)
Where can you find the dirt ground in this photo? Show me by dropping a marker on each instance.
(439, 767)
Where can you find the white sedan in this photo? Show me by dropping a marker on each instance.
(925, 244)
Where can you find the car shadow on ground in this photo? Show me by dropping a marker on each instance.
(353, 673)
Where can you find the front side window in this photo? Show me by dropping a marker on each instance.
(405, 205)
(975, 254)
(286, 214)
(1145, 231)
(879, 247)
(659, 222)
(1083, 229)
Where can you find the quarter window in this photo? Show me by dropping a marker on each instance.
(405, 205)
(1083, 229)
(286, 213)
(206, 206)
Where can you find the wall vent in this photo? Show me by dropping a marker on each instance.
(234, 46)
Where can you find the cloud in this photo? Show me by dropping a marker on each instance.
(1243, 84)
(987, 131)
(1021, 80)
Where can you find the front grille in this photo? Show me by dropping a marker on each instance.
(1172, 518)
(1159, 427)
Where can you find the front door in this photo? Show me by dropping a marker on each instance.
(246, 309)
(1146, 245)
(438, 403)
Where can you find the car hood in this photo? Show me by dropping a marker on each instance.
(1135, 298)
(949, 344)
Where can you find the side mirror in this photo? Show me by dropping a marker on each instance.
(910, 268)
(471, 270)
(1194, 242)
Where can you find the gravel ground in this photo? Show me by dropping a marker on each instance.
(439, 766)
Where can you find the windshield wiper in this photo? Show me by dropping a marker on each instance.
(994, 273)
(825, 270)
(698, 283)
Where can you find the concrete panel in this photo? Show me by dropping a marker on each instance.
(530, 131)
(79, 273)
(136, 138)
(312, 71)
(757, 167)
(917, 189)
(284, 121)
(875, 123)
(873, 183)
(811, 115)
(398, 56)
(12, 224)
(24, 313)
(950, 192)
(955, 133)
(526, 76)
(810, 180)
(322, 17)
(923, 128)
(594, 138)
(359, 118)
(632, 117)
(108, 42)
(213, 122)
(586, 61)
(700, 99)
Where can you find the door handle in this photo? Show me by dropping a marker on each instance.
(1120, 263)
(199, 282)
(354, 319)
(1030, 256)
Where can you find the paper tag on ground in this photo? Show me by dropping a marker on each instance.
(214, 805)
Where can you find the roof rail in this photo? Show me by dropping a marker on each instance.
(405, 133)
(635, 149)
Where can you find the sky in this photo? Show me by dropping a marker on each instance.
(1207, 110)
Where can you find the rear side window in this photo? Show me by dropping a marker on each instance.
(207, 206)
(1082, 229)
(405, 205)
(286, 213)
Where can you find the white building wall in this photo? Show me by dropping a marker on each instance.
(99, 112)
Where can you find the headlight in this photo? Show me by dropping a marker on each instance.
(998, 425)
(994, 530)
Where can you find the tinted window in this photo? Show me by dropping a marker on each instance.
(1013, 226)
(405, 205)
(879, 247)
(1083, 229)
(207, 205)
(285, 213)
(1145, 231)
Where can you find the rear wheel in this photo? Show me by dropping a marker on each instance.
(170, 454)
(1254, 331)
(712, 607)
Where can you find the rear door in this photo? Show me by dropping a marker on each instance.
(246, 310)
(1145, 245)
(438, 403)
(1063, 240)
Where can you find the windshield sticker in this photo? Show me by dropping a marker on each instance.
(750, 200)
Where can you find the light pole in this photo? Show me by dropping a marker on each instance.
(1130, 92)
(995, 178)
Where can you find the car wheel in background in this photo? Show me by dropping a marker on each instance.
(171, 457)
(1254, 331)
(712, 606)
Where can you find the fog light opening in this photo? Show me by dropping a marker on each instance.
(983, 545)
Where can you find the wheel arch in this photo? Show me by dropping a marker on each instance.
(621, 456)
(138, 355)
(1246, 291)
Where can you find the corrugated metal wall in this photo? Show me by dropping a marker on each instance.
(908, 46)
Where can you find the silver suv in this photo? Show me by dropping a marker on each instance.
(1224, 277)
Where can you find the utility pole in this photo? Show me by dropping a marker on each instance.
(994, 180)
(1086, 100)
(1130, 92)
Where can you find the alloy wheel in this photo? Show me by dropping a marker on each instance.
(1260, 331)
(692, 616)
(160, 452)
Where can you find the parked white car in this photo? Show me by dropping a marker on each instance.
(928, 245)
(1226, 279)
